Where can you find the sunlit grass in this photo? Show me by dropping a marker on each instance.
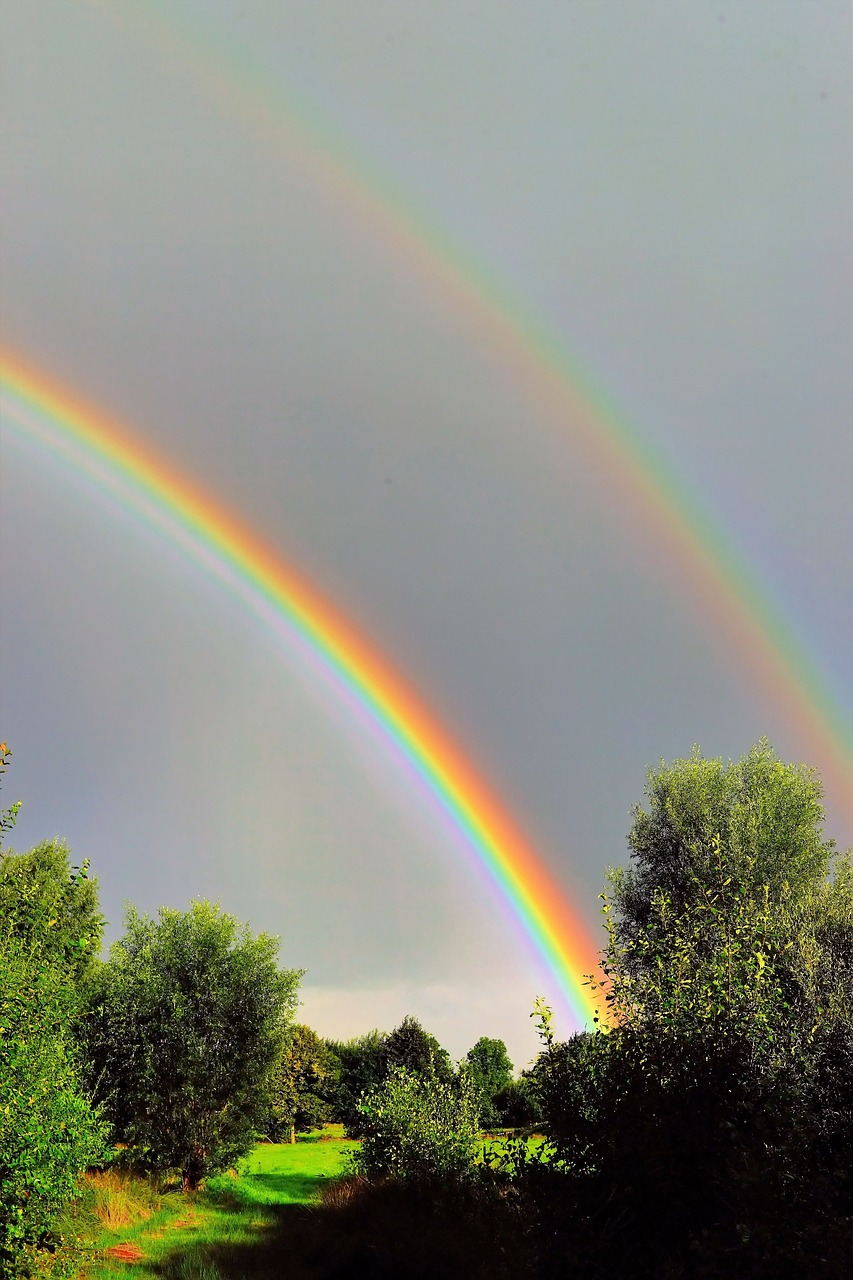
(117, 1199)
(128, 1226)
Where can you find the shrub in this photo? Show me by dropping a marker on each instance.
(420, 1128)
(48, 1131)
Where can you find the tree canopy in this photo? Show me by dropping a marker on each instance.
(719, 1101)
(188, 1019)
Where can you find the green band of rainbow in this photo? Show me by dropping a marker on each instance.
(147, 485)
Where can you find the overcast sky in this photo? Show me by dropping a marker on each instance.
(666, 188)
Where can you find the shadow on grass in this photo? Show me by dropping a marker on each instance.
(377, 1233)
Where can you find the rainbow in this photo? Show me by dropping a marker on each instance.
(35, 410)
(708, 567)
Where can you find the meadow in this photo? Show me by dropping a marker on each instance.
(126, 1225)
(291, 1209)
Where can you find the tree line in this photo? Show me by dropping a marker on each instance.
(702, 1128)
(178, 1052)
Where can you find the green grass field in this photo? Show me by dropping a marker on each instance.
(169, 1235)
(249, 1224)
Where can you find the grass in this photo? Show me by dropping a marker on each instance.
(285, 1210)
(127, 1228)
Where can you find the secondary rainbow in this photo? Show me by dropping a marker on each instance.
(144, 482)
(704, 562)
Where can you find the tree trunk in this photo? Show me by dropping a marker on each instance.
(293, 1133)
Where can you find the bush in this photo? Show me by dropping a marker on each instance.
(49, 927)
(419, 1128)
(48, 1130)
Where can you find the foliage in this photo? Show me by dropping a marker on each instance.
(42, 895)
(359, 1069)
(421, 1128)
(7, 816)
(411, 1047)
(48, 1130)
(765, 814)
(368, 1060)
(718, 1103)
(188, 1018)
(516, 1104)
(491, 1072)
(302, 1085)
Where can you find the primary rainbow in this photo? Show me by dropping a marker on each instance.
(703, 560)
(145, 483)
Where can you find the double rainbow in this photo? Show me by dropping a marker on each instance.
(701, 557)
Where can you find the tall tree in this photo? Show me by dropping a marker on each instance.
(360, 1068)
(302, 1085)
(491, 1074)
(188, 1019)
(719, 1100)
(411, 1047)
(48, 1129)
(766, 815)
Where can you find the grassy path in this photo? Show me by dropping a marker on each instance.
(175, 1237)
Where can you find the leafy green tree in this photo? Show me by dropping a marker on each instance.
(411, 1047)
(40, 892)
(359, 1069)
(766, 815)
(49, 1132)
(491, 1072)
(188, 1019)
(302, 1085)
(717, 1103)
(420, 1127)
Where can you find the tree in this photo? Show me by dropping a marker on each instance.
(413, 1048)
(360, 1068)
(766, 815)
(188, 1019)
(48, 1129)
(491, 1072)
(718, 1102)
(302, 1085)
(41, 892)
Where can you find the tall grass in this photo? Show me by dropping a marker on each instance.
(119, 1199)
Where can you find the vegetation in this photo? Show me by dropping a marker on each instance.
(718, 1102)
(422, 1128)
(48, 1131)
(186, 1023)
(302, 1087)
(702, 1129)
(491, 1074)
(359, 1069)
(240, 1224)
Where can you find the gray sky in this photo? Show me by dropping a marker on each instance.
(667, 187)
